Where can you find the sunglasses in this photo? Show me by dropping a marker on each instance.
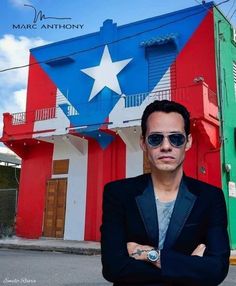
(177, 140)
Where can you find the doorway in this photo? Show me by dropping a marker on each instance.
(54, 214)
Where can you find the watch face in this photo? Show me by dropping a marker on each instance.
(153, 255)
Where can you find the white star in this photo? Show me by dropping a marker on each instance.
(105, 74)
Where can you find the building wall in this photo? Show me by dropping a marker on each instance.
(73, 82)
(226, 56)
(77, 153)
(104, 165)
(35, 171)
(41, 91)
(197, 59)
(134, 154)
(97, 122)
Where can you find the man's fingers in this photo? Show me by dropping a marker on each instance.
(199, 250)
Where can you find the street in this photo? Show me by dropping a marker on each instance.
(20, 267)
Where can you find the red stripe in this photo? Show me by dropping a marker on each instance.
(35, 171)
(198, 56)
(37, 158)
(41, 90)
(198, 59)
(103, 166)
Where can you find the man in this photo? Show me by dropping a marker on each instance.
(164, 228)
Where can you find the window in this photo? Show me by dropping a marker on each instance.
(161, 66)
(234, 75)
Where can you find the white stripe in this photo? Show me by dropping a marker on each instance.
(76, 150)
(134, 154)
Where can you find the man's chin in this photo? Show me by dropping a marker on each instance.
(166, 168)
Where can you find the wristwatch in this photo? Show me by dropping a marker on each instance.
(153, 255)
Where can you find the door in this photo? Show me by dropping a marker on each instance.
(146, 164)
(54, 215)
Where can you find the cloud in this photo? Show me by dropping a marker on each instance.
(19, 3)
(14, 51)
(20, 98)
(15, 103)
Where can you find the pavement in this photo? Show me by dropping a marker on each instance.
(51, 244)
(66, 246)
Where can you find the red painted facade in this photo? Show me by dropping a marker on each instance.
(36, 170)
(40, 93)
(104, 166)
(196, 59)
(36, 155)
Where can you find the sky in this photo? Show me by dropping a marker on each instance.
(21, 30)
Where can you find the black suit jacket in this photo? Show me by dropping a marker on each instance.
(199, 216)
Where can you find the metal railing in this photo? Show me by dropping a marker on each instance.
(19, 118)
(133, 100)
(44, 114)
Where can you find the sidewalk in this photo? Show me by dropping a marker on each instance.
(43, 244)
(67, 246)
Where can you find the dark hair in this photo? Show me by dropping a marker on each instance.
(165, 106)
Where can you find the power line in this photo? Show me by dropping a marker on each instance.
(231, 8)
(223, 2)
(208, 9)
(232, 14)
(102, 45)
(216, 5)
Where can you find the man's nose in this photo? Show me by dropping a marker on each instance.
(165, 145)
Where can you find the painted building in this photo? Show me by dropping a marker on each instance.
(85, 99)
(225, 44)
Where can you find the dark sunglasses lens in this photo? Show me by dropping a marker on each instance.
(177, 139)
(155, 140)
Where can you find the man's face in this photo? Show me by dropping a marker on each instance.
(165, 157)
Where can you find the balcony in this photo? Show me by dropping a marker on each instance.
(198, 98)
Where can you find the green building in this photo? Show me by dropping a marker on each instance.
(225, 43)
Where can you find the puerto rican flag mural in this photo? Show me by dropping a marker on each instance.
(88, 94)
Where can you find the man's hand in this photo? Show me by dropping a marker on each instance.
(139, 252)
(199, 250)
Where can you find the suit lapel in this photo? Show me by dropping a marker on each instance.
(147, 208)
(184, 203)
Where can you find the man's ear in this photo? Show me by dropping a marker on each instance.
(189, 142)
(143, 144)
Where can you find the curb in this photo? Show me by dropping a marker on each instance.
(70, 250)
